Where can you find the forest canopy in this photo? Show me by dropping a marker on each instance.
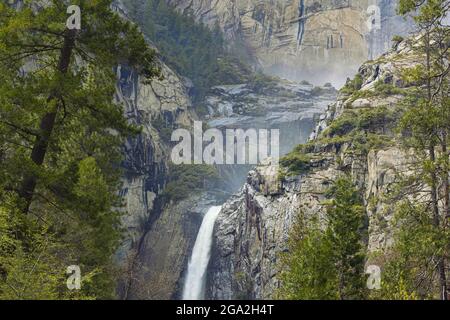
(189, 47)
(61, 136)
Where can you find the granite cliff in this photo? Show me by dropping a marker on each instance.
(160, 236)
(320, 41)
(253, 227)
(298, 36)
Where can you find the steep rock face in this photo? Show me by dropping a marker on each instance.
(307, 39)
(252, 229)
(322, 40)
(157, 238)
(156, 244)
(146, 157)
(159, 271)
(211, 12)
(275, 104)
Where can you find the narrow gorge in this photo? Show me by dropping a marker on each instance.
(305, 48)
(224, 150)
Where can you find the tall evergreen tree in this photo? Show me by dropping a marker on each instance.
(60, 144)
(345, 232)
(426, 124)
(327, 262)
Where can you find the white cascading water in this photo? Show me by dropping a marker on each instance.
(196, 275)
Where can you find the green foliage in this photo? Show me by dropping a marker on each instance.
(426, 11)
(372, 120)
(30, 266)
(343, 125)
(346, 219)
(231, 70)
(186, 179)
(397, 38)
(308, 272)
(327, 262)
(409, 272)
(414, 75)
(364, 143)
(190, 48)
(259, 82)
(296, 163)
(317, 91)
(381, 90)
(386, 89)
(418, 263)
(362, 130)
(71, 220)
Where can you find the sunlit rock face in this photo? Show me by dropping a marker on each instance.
(318, 40)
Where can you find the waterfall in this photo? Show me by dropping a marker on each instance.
(194, 285)
(301, 23)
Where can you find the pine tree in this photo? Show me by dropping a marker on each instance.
(60, 145)
(58, 82)
(328, 262)
(345, 231)
(426, 123)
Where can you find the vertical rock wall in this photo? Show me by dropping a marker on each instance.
(252, 229)
(317, 40)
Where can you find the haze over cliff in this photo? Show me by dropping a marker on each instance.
(320, 41)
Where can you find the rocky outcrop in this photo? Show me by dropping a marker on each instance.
(253, 226)
(158, 236)
(251, 230)
(320, 40)
(271, 103)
